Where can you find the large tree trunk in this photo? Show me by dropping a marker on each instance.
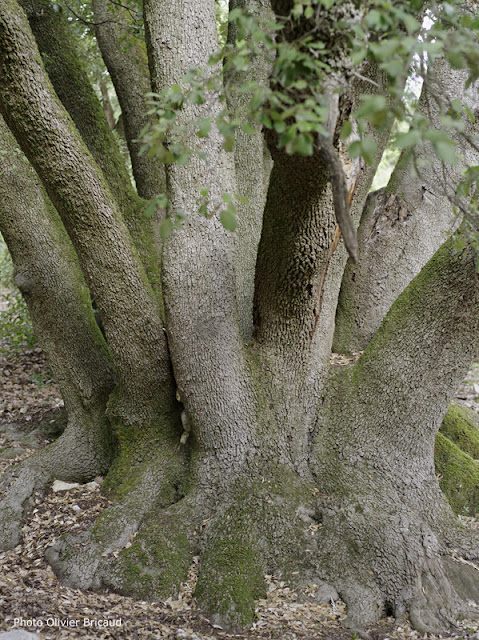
(285, 464)
(49, 277)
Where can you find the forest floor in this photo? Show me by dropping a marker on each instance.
(33, 599)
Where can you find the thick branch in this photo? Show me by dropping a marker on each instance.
(252, 166)
(76, 187)
(198, 267)
(71, 83)
(339, 187)
(51, 281)
(402, 226)
(127, 63)
(410, 370)
(67, 73)
(300, 257)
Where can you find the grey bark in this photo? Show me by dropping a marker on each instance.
(381, 440)
(126, 60)
(403, 225)
(198, 259)
(292, 471)
(106, 104)
(94, 223)
(50, 279)
(253, 167)
(69, 79)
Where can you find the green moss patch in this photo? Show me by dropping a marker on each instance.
(157, 562)
(461, 426)
(459, 476)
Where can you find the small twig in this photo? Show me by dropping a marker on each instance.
(90, 23)
(124, 6)
(340, 196)
(365, 79)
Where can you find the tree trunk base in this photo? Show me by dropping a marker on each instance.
(79, 454)
(392, 561)
(144, 481)
(382, 560)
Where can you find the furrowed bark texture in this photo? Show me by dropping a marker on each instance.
(404, 224)
(90, 215)
(198, 259)
(381, 441)
(282, 467)
(127, 63)
(71, 83)
(252, 166)
(49, 277)
(299, 270)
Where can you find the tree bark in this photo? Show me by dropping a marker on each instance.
(93, 221)
(127, 63)
(49, 277)
(403, 225)
(381, 440)
(70, 80)
(198, 259)
(284, 465)
(252, 166)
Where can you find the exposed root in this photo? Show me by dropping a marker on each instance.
(265, 525)
(378, 559)
(392, 561)
(16, 502)
(152, 564)
(90, 560)
(78, 455)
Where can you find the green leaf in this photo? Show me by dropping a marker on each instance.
(204, 127)
(456, 59)
(358, 55)
(354, 149)
(411, 24)
(470, 114)
(456, 105)
(368, 149)
(235, 14)
(150, 210)
(248, 128)
(393, 68)
(445, 152)
(166, 227)
(162, 200)
(408, 139)
(228, 218)
(303, 145)
(229, 144)
(346, 130)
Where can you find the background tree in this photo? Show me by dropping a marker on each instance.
(232, 435)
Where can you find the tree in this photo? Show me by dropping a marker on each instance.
(211, 401)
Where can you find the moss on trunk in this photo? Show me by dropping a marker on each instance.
(458, 476)
(461, 426)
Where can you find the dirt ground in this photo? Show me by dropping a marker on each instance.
(33, 599)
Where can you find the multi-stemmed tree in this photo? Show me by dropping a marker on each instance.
(210, 402)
